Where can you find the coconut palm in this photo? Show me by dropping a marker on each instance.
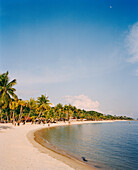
(21, 103)
(66, 110)
(43, 104)
(6, 90)
(59, 109)
(51, 114)
(13, 106)
(32, 106)
(71, 108)
(1, 105)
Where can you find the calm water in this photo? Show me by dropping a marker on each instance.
(109, 145)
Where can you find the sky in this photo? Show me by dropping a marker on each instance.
(82, 52)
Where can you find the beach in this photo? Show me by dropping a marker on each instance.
(20, 151)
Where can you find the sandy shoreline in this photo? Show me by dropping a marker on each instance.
(19, 150)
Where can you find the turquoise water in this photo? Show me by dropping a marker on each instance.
(108, 145)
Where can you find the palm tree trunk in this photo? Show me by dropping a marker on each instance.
(28, 116)
(10, 116)
(38, 115)
(0, 115)
(20, 116)
(7, 117)
(13, 118)
(68, 115)
(59, 114)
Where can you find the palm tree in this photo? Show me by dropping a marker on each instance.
(6, 90)
(1, 105)
(5, 110)
(70, 111)
(13, 105)
(21, 103)
(66, 109)
(32, 106)
(79, 112)
(43, 104)
(59, 109)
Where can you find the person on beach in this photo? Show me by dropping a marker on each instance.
(48, 122)
(18, 123)
(69, 122)
(32, 121)
(43, 122)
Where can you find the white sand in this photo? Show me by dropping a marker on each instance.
(17, 153)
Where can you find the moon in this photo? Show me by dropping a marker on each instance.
(110, 6)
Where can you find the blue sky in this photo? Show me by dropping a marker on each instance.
(83, 52)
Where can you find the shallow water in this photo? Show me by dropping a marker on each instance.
(107, 145)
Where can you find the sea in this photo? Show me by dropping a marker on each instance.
(112, 145)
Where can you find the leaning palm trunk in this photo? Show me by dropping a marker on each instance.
(28, 116)
(7, 117)
(0, 115)
(38, 115)
(20, 116)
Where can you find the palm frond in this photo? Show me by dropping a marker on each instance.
(1, 88)
(12, 83)
(13, 89)
(12, 94)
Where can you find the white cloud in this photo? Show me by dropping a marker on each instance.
(82, 102)
(132, 43)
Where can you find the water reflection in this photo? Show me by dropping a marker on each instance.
(111, 145)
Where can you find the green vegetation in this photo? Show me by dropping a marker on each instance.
(13, 109)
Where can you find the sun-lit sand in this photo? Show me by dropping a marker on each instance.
(18, 149)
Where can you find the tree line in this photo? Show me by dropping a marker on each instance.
(13, 109)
